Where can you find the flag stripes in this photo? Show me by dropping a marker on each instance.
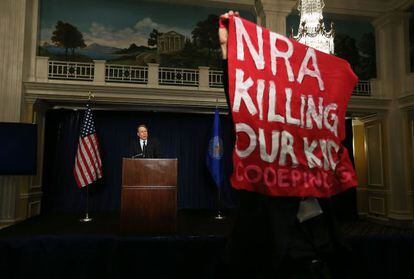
(88, 163)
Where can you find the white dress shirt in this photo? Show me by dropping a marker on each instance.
(142, 142)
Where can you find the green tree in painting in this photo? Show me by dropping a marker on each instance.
(205, 35)
(68, 37)
(366, 68)
(132, 46)
(153, 38)
(345, 48)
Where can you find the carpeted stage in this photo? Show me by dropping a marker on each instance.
(59, 246)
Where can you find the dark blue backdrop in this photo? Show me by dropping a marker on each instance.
(18, 148)
(182, 135)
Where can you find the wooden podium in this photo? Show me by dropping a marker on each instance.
(149, 196)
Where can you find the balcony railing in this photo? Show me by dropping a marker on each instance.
(176, 76)
(124, 73)
(151, 75)
(363, 88)
(215, 79)
(71, 70)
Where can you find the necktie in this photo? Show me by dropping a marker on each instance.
(144, 148)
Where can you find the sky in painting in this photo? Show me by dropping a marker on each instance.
(120, 23)
(123, 22)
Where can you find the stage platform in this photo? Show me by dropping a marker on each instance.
(59, 246)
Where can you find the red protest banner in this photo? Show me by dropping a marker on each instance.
(288, 103)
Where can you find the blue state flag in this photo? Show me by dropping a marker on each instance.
(215, 152)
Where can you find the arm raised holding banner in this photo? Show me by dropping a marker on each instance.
(288, 103)
(224, 32)
(250, 234)
(288, 108)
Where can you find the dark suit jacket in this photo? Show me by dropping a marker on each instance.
(152, 150)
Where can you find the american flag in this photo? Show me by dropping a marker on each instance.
(88, 164)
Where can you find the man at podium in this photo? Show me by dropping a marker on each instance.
(145, 147)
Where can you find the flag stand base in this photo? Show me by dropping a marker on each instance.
(219, 216)
(86, 219)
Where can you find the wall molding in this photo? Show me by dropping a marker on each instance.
(8, 222)
(378, 126)
(76, 93)
(379, 191)
(35, 187)
(370, 210)
(401, 216)
(406, 102)
(128, 96)
(373, 117)
(31, 195)
(368, 105)
(31, 205)
(382, 219)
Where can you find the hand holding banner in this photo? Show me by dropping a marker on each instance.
(288, 102)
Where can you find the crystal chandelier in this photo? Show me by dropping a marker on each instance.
(312, 30)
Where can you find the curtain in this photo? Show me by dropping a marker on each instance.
(181, 135)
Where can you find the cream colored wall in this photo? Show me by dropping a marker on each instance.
(388, 191)
(360, 165)
(12, 20)
(377, 187)
(410, 155)
(12, 25)
(21, 99)
(392, 64)
(19, 195)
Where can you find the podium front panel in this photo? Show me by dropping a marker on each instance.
(149, 172)
(149, 196)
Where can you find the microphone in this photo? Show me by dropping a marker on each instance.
(139, 155)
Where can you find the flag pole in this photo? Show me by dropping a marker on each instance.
(87, 218)
(218, 216)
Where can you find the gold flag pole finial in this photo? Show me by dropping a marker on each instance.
(90, 95)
